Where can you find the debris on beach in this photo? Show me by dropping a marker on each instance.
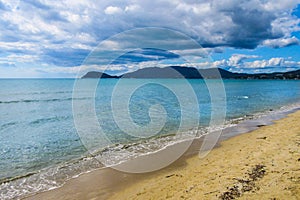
(244, 185)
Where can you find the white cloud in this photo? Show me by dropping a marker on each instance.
(239, 63)
(282, 42)
(276, 61)
(21, 58)
(111, 45)
(272, 62)
(13, 46)
(132, 8)
(110, 10)
(236, 59)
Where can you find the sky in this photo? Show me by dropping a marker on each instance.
(48, 39)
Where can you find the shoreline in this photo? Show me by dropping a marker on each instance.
(109, 181)
(264, 167)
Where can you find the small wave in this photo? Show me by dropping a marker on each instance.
(3, 126)
(46, 179)
(9, 179)
(46, 120)
(243, 97)
(41, 100)
(39, 93)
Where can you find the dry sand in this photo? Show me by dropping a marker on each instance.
(262, 164)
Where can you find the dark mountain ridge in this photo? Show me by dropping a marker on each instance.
(193, 73)
(94, 74)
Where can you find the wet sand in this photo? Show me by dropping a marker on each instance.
(261, 164)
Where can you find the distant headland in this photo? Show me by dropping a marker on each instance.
(193, 73)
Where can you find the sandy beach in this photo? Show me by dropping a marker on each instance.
(261, 164)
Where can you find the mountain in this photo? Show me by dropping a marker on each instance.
(193, 73)
(167, 72)
(94, 74)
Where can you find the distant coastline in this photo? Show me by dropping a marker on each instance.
(193, 73)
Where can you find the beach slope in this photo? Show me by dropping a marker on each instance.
(262, 164)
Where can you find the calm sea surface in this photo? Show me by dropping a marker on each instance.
(38, 137)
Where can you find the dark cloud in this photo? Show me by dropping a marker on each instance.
(250, 28)
(65, 57)
(143, 55)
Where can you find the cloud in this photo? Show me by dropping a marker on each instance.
(132, 8)
(277, 62)
(143, 55)
(250, 63)
(282, 42)
(237, 59)
(110, 10)
(141, 45)
(20, 58)
(64, 57)
(250, 25)
(7, 65)
(18, 46)
(243, 24)
(258, 65)
(63, 32)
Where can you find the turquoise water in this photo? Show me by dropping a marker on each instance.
(37, 129)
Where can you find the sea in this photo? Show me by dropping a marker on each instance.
(52, 130)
